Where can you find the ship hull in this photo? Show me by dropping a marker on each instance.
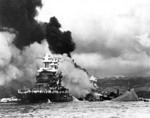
(45, 97)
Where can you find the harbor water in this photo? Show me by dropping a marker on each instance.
(81, 109)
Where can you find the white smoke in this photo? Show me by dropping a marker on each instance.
(16, 64)
(75, 79)
(29, 60)
(8, 71)
(5, 48)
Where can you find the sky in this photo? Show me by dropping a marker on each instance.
(112, 36)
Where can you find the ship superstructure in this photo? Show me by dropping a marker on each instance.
(48, 83)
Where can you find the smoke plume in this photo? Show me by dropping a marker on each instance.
(60, 42)
(20, 15)
(75, 79)
(19, 66)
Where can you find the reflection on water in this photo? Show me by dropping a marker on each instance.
(106, 109)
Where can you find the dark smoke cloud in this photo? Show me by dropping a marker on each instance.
(60, 42)
(20, 15)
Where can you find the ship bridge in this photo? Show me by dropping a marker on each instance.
(51, 63)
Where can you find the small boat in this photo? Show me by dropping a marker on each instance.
(9, 100)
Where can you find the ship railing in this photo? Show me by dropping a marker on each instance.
(22, 91)
(36, 91)
(41, 91)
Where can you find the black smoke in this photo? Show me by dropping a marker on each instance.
(20, 15)
(60, 42)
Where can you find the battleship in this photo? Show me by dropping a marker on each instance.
(48, 86)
